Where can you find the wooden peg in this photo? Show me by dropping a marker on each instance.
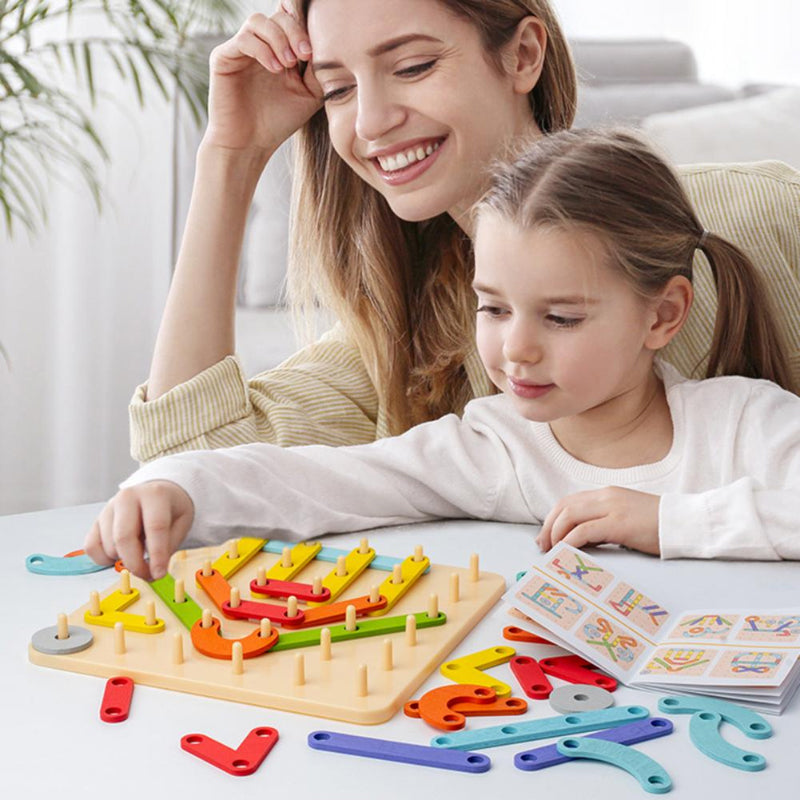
(411, 630)
(374, 594)
(397, 574)
(299, 669)
(150, 613)
(433, 606)
(206, 621)
(325, 644)
(207, 568)
(94, 604)
(177, 649)
(418, 555)
(388, 655)
(341, 567)
(233, 549)
(237, 658)
(261, 577)
(265, 628)
(350, 618)
(316, 585)
(291, 607)
(119, 639)
(125, 581)
(63, 627)
(363, 547)
(179, 591)
(454, 590)
(235, 598)
(286, 557)
(474, 568)
(361, 680)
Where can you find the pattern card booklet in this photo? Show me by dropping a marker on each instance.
(747, 655)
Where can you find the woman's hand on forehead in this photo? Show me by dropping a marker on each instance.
(612, 515)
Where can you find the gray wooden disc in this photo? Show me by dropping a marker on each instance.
(46, 640)
(580, 697)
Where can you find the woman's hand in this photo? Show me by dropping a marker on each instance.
(611, 515)
(257, 96)
(153, 517)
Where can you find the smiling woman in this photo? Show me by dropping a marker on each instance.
(397, 119)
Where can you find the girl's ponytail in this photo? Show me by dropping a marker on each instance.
(746, 340)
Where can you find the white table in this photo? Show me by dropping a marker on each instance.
(54, 745)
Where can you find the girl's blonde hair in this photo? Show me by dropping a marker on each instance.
(402, 289)
(611, 184)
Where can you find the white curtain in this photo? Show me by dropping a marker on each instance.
(79, 308)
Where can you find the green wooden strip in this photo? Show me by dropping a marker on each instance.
(365, 627)
(188, 612)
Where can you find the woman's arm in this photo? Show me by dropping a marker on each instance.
(257, 99)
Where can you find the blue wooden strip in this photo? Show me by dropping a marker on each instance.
(331, 554)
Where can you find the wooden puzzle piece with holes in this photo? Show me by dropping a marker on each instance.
(261, 622)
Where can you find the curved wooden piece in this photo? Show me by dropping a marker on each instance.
(446, 707)
(210, 641)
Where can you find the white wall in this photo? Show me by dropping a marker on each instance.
(735, 41)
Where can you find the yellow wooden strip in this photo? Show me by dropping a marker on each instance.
(355, 562)
(476, 677)
(248, 548)
(483, 659)
(301, 554)
(410, 572)
(111, 613)
(468, 669)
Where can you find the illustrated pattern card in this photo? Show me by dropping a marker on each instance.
(618, 626)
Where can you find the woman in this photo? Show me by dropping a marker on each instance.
(419, 97)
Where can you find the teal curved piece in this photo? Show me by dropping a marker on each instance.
(747, 721)
(705, 736)
(651, 775)
(61, 565)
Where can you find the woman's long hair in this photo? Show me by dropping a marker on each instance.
(402, 289)
(613, 185)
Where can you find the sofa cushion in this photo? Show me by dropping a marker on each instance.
(766, 126)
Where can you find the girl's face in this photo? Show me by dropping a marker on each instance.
(559, 331)
(414, 107)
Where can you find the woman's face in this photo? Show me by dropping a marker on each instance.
(414, 107)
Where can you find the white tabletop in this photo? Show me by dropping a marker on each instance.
(53, 744)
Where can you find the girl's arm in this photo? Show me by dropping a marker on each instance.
(444, 469)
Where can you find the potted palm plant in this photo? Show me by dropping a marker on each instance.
(46, 126)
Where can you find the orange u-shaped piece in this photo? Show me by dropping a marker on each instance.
(210, 641)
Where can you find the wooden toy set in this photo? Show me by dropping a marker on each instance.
(263, 623)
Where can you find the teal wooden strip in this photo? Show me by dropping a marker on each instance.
(188, 612)
(330, 554)
(380, 626)
(530, 730)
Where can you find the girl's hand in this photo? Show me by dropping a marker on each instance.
(153, 517)
(611, 515)
(257, 96)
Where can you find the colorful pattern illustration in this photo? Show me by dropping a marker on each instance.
(639, 609)
(714, 627)
(575, 566)
(754, 665)
(552, 601)
(780, 629)
(613, 643)
(674, 660)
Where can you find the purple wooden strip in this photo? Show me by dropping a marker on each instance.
(387, 750)
(641, 731)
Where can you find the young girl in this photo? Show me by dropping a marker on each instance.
(583, 255)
